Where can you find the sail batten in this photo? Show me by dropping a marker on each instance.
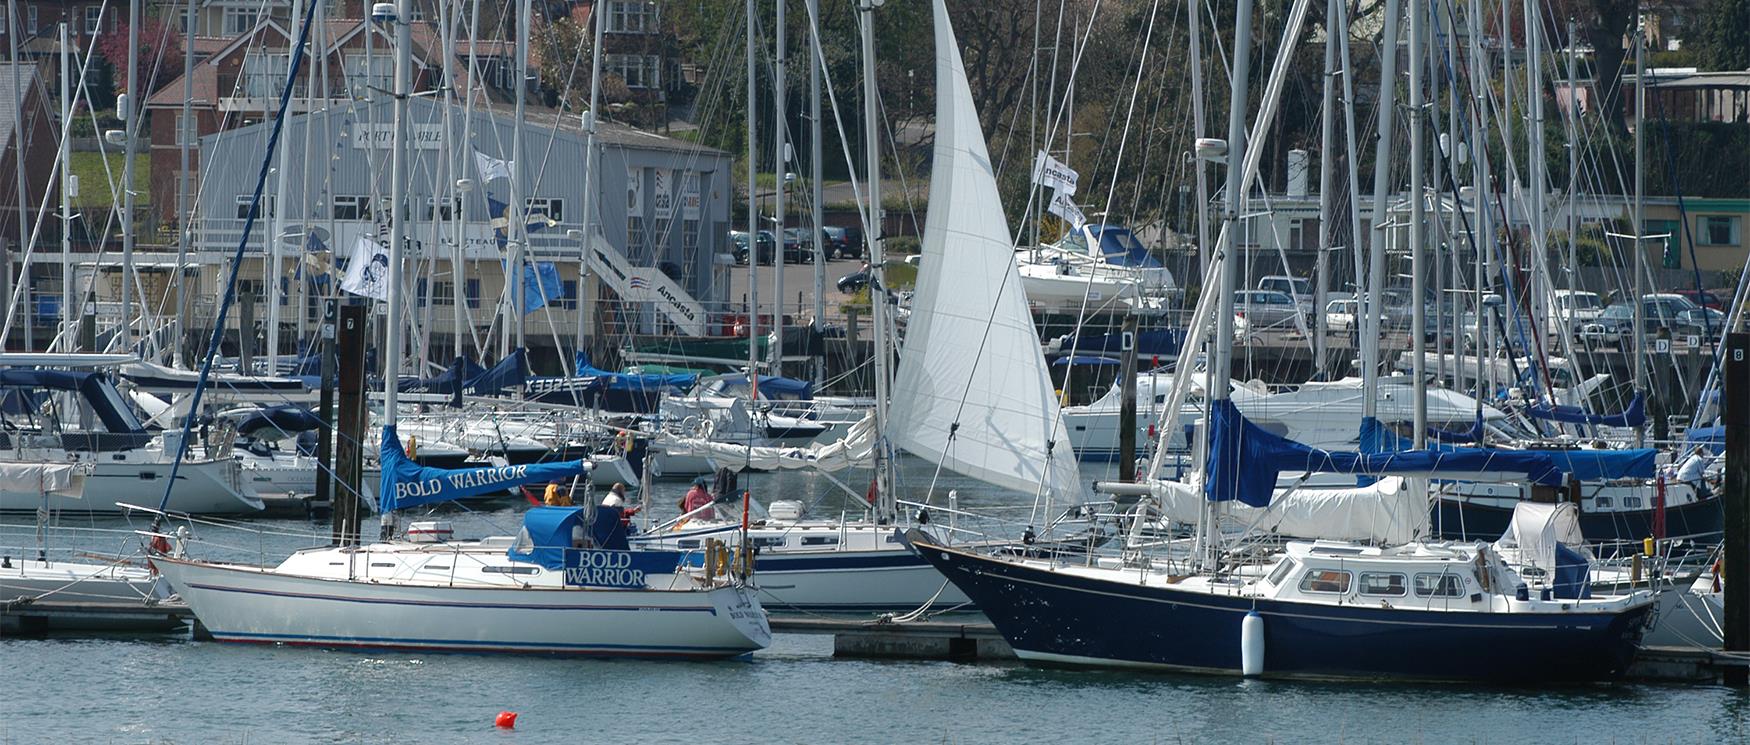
(972, 391)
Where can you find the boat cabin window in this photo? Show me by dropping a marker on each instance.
(1383, 583)
(1631, 503)
(510, 570)
(1601, 501)
(1281, 572)
(1439, 586)
(382, 565)
(1325, 580)
(820, 540)
(772, 541)
(689, 543)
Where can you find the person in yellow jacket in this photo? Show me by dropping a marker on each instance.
(555, 498)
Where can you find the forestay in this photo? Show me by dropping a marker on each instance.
(972, 391)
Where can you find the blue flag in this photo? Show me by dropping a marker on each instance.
(541, 285)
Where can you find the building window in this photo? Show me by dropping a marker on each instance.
(185, 130)
(264, 74)
(634, 236)
(1717, 230)
(420, 294)
(93, 19)
(442, 209)
(631, 17)
(352, 208)
(548, 207)
(30, 20)
(690, 242)
(241, 20)
(471, 291)
(443, 292)
(244, 201)
(569, 300)
(362, 78)
(638, 70)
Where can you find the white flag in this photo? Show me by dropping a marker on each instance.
(1064, 207)
(367, 273)
(490, 167)
(1049, 171)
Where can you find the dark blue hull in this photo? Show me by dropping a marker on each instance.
(1057, 618)
(1468, 520)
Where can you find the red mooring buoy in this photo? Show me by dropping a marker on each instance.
(505, 720)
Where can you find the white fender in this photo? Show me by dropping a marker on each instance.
(1252, 645)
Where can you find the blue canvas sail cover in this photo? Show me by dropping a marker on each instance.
(1634, 416)
(1080, 359)
(408, 484)
(510, 372)
(773, 387)
(1579, 464)
(1245, 460)
(589, 545)
(1713, 438)
(1472, 434)
(449, 381)
(282, 419)
(626, 381)
(1149, 344)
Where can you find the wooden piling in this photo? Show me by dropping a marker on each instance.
(350, 423)
(1736, 502)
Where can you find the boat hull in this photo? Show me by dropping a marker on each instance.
(1468, 518)
(244, 604)
(1061, 618)
(78, 582)
(211, 487)
(854, 581)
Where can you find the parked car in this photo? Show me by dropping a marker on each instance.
(838, 243)
(1573, 309)
(1264, 309)
(1703, 298)
(1340, 314)
(767, 247)
(1704, 322)
(798, 248)
(1294, 287)
(1659, 313)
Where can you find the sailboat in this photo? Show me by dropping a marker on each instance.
(1416, 610)
(567, 583)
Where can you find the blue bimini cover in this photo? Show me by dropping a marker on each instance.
(1634, 416)
(510, 372)
(408, 484)
(1581, 465)
(1245, 459)
(589, 545)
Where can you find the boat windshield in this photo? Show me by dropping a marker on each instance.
(1120, 246)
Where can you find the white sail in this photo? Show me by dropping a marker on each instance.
(972, 391)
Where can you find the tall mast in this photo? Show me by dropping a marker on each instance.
(68, 337)
(814, 180)
(129, 129)
(1327, 147)
(780, 166)
(1418, 214)
(518, 225)
(590, 184)
(873, 234)
(1194, 29)
(753, 212)
(1372, 301)
(1535, 170)
(1640, 266)
(18, 159)
(271, 269)
(1221, 363)
(1571, 122)
(1484, 235)
(398, 214)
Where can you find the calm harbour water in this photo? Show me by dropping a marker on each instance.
(172, 690)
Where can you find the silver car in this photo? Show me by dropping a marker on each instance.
(1266, 309)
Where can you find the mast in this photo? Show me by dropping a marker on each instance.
(1480, 188)
(129, 128)
(1535, 170)
(271, 265)
(1372, 301)
(397, 220)
(1194, 29)
(458, 286)
(780, 167)
(1221, 362)
(1640, 267)
(590, 185)
(814, 180)
(877, 254)
(753, 214)
(1418, 215)
(18, 159)
(69, 339)
(1571, 122)
(517, 229)
(1327, 146)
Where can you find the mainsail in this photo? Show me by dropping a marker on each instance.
(972, 391)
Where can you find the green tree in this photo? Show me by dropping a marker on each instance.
(1722, 37)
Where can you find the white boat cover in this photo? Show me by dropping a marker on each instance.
(1537, 527)
(856, 448)
(972, 391)
(1384, 511)
(62, 479)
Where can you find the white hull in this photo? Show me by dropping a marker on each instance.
(245, 604)
(65, 581)
(203, 487)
